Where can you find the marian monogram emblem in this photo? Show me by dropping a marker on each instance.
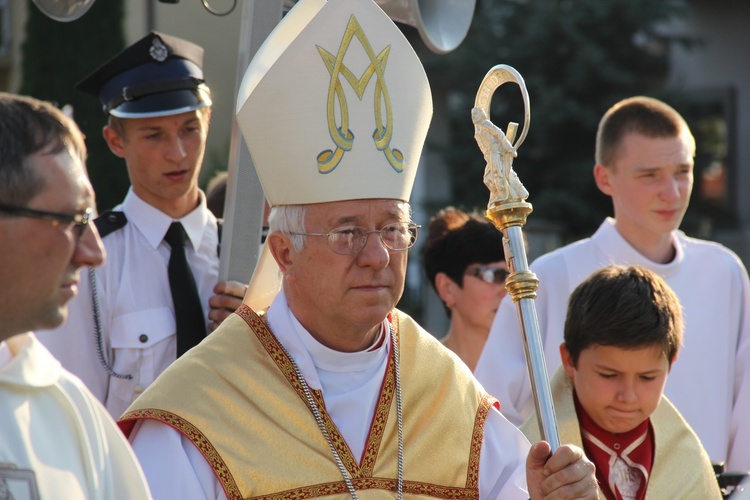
(342, 137)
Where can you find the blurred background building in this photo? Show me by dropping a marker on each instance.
(578, 57)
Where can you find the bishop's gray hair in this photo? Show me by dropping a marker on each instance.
(288, 219)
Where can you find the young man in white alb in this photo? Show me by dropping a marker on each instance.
(644, 162)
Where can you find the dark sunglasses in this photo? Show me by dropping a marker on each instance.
(80, 221)
(489, 274)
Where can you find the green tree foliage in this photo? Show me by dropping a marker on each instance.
(56, 56)
(577, 59)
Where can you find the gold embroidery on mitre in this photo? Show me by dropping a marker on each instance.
(342, 137)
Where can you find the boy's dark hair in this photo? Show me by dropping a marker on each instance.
(625, 307)
(647, 116)
(455, 240)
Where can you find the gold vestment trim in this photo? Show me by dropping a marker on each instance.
(378, 443)
(200, 441)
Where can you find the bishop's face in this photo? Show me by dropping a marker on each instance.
(342, 299)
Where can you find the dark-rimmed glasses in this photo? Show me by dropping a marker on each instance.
(350, 240)
(79, 221)
(489, 274)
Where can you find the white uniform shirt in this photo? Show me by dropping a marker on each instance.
(137, 313)
(55, 436)
(710, 381)
(350, 383)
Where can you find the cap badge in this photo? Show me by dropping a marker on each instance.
(342, 137)
(158, 50)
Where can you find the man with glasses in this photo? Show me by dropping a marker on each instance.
(464, 261)
(75, 223)
(330, 390)
(55, 437)
(157, 296)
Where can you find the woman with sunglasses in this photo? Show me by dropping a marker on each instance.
(464, 260)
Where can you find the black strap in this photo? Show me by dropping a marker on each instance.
(109, 222)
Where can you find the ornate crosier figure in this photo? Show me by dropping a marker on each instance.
(508, 210)
(499, 176)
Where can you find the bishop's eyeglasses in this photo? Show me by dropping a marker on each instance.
(77, 222)
(350, 240)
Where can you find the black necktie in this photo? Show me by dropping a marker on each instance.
(191, 327)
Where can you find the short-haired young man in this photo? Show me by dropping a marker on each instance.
(644, 162)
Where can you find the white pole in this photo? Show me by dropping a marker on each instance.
(245, 201)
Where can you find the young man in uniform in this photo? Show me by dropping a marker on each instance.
(150, 302)
(644, 162)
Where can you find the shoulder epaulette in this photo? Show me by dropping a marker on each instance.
(109, 222)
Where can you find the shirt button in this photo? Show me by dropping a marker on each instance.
(138, 389)
(143, 338)
(617, 446)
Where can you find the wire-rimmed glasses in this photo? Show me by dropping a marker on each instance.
(350, 240)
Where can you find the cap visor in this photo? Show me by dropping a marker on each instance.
(163, 104)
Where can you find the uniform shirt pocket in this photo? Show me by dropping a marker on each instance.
(143, 345)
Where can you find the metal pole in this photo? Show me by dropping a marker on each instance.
(245, 201)
(508, 210)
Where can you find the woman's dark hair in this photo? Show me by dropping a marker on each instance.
(455, 240)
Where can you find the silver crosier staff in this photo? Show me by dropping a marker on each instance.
(508, 209)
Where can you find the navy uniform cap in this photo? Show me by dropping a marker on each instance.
(159, 75)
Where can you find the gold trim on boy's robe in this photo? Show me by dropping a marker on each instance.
(242, 371)
(681, 467)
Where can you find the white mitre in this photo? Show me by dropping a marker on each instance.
(334, 106)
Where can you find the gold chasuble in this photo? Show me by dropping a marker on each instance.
(242, 369)
(681, 467)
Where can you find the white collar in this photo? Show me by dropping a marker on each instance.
(153, 223)
(31, 366)
(309, 354)
(611, 242)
